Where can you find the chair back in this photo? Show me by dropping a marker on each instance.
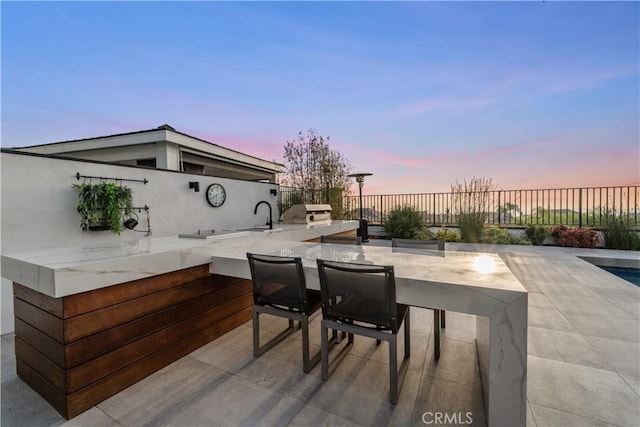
(355, 240)
(358, 293)
(278, 282)
(418, 244)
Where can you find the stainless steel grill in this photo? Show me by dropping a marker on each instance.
(307, 214)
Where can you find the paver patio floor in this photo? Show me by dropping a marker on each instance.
(583, 366)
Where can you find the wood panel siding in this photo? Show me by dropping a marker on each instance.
(79, 350)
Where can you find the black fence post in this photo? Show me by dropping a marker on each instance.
(499, 210)
(580, 208)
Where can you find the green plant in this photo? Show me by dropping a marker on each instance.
(89, 204)
(618, 235)
(103, 203)
(501, 236)
(471, 225)
(404, 223)
(536, 233)
(447, 235)
(575, 237)
(472, 201)
(425, 234)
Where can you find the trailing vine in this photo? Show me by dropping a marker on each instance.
(105, 202)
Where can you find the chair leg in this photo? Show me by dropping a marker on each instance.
(397, 376)
(308, 362)
(407, 336)
(259, 351)
(327, 368)
(256, 334)
(393, 368)
(442, 320)
(436, 334)
(324, 350)
(378, 342)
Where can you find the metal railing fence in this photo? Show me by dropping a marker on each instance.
(579, 206)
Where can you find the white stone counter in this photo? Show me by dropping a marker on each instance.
(66, 271)
(478, 284)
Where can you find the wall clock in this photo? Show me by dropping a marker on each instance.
(216, 195)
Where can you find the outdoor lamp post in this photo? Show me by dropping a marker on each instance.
(359, 176)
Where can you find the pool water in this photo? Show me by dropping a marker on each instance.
(631, 275)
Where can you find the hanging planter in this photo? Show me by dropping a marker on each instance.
(102, 206)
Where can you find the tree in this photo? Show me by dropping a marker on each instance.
(508, 211)
(319, 171)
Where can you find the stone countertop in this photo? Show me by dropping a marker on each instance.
(485, 279)
(473, 283)
(60, 272)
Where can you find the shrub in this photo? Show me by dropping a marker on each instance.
(501, 236)
(472, 201)
(471, 225)
(447, 235)
(425, 234)
(618, 235)
(536, 233)
(575, 237)
(558, 230)
(404, 223)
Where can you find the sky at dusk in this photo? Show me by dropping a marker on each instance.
(421, 94)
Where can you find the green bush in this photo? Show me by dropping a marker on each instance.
(618, 235)
(471, 225)
(425, 234)
(536, 233)
(404, 223)
(447, 235)
(501, 236)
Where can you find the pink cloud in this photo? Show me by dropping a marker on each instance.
(570, 160)
(559, 84)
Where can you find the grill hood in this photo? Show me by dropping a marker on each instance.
(307, 214)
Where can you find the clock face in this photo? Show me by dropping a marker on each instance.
(216, 195)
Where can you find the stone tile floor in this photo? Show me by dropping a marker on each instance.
(583, 366)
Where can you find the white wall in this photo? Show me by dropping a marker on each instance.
(38, 207)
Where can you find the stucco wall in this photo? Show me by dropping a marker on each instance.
(38, 207)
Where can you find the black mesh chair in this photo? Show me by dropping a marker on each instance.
(279, 289)
(439, 320)
(355, 240)
(361, 299)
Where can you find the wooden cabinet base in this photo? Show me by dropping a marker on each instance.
(140, 327)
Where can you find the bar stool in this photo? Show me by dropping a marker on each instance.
(361, 299)
(438, 315)
(279, 289)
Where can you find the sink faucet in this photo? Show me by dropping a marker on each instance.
(255, 212)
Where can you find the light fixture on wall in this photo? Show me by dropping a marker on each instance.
(195, 185)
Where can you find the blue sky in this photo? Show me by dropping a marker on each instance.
(421, 94)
